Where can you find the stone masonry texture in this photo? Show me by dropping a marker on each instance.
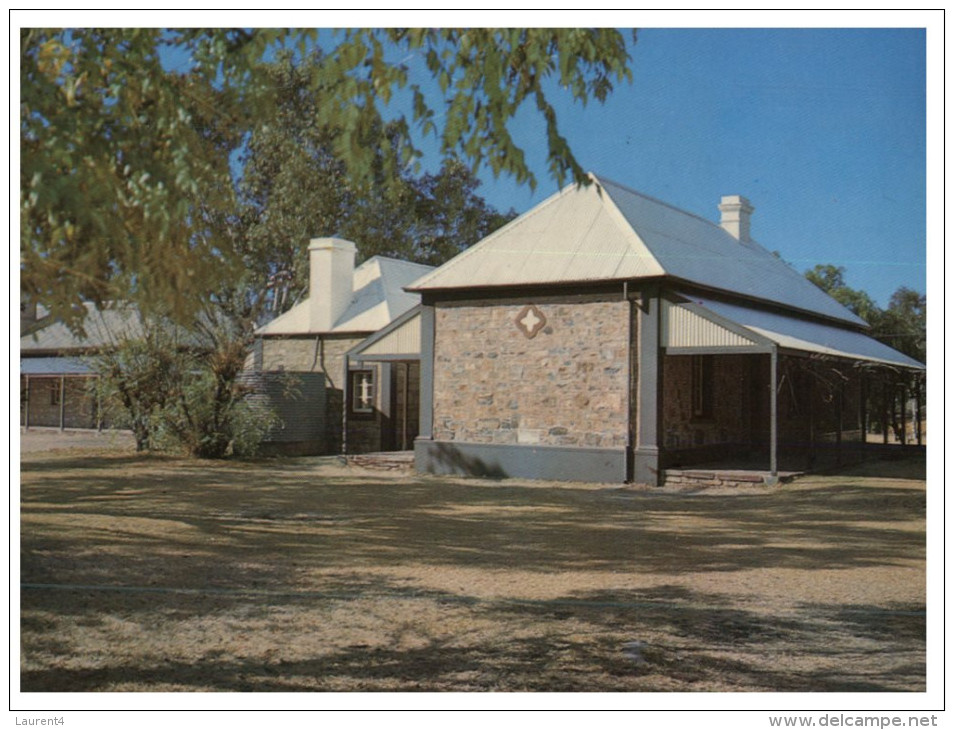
(567, 386)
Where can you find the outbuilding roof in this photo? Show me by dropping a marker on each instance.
(607, 232)
(103, 327)
(379, 298)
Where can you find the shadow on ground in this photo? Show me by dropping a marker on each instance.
(222, 559)
(581, 643)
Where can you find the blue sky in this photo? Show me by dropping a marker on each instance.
(822, 129)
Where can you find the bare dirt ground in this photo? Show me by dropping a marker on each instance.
(158, 574)
(52, 439)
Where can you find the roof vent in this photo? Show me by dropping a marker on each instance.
(736, 216)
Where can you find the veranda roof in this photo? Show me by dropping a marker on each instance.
(40, 366)
(700, 324)
(104, 327)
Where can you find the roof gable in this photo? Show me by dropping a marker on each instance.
(607, 232)
(572, 236)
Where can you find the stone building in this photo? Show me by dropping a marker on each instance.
(356, 333)
(608, 336)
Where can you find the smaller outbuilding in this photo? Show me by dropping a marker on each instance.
(352, 349)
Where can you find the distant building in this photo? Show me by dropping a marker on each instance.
(55, 372)
(608, 336)
(341, 368)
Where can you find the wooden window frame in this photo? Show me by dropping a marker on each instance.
(367, 409)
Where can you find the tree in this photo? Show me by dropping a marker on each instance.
(177, 387)
(293, 188)
(449, 215)
(831, 280)
(210, 416)
(903, 325)
(140, 374)
(128, 189)
(113, 150)
(118, 151)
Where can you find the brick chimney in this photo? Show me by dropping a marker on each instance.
(331, 281)
(736, 216)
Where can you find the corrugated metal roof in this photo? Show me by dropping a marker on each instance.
(379, 298)
(53, 366)
(608, 232)
(807, 336)
(572, 236)
(103, 327)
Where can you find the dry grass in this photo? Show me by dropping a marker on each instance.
(149, 574)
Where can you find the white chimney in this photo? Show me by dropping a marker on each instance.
(331, 281)
(736, 216)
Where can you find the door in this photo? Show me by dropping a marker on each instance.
(404, 421)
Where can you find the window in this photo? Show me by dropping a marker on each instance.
(362, 391)
(702, 386)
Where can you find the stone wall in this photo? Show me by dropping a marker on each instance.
(565, 386)
(731, 420)
(324, 354)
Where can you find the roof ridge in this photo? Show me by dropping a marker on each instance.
(630, 190)
(636, 241)
(753, 245)
(393, 260)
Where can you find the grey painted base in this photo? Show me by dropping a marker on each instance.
(646, 466)
(526, 462)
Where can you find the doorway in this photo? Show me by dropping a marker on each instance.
(403, 424)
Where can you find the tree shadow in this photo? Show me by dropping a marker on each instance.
(691, 637)
(685, 640)
(293, 537)
(228, 516)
